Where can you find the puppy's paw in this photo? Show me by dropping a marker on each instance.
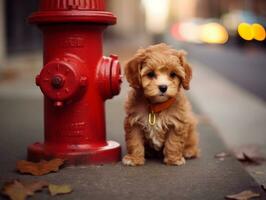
(176, 162)
(190, 153)
(131, 160)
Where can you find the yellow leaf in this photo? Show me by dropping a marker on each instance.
(59, 189)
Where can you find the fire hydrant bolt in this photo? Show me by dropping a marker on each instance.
(75, 80)
(57, 81)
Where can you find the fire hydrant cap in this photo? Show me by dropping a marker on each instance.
(54, 11)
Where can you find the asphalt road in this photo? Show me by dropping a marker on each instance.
(244, 67)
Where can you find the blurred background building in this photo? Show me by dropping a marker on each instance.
(140, 19)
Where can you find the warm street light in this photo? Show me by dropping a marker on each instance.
(156, 15)
(250, 32)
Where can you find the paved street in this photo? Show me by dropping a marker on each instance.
(244, 67)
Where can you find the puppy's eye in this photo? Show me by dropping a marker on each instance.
(173, 75)
(151, 74)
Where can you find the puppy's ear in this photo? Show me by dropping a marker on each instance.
(133, 67)
(187, 69)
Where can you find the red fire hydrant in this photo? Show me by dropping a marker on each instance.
(76, 80)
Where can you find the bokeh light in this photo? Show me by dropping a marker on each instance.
(213, 33)
(245, 31)
(258, 32)
(190, 31)
(157, 12)
(250, 32)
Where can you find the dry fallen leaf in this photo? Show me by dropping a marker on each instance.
(221, 156)
(59, 189)
(250, 159)
(41, 168)
(245, 195)
(249, 154)
(16, 190)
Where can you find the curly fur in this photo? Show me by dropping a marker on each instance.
(175, 130)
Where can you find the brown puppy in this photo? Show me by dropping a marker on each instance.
(158, 113)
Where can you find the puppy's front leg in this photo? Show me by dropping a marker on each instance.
(174, 147)
(135, 147)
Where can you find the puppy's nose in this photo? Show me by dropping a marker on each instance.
(163, 88)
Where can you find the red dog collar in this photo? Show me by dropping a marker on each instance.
(159, 107)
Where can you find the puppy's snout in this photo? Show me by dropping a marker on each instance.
(163, 88)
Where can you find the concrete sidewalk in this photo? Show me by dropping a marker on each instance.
(238, 115)
(205, 178)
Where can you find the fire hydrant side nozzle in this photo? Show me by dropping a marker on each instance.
(109, 70)
(75, 80)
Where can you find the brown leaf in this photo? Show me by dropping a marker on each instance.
(249, 154)
(16, 190)
(59, 189)
(245, 195)
(250, 159)
(35, 186)
(41, 168)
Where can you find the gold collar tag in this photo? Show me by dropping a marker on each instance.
(152, 118)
